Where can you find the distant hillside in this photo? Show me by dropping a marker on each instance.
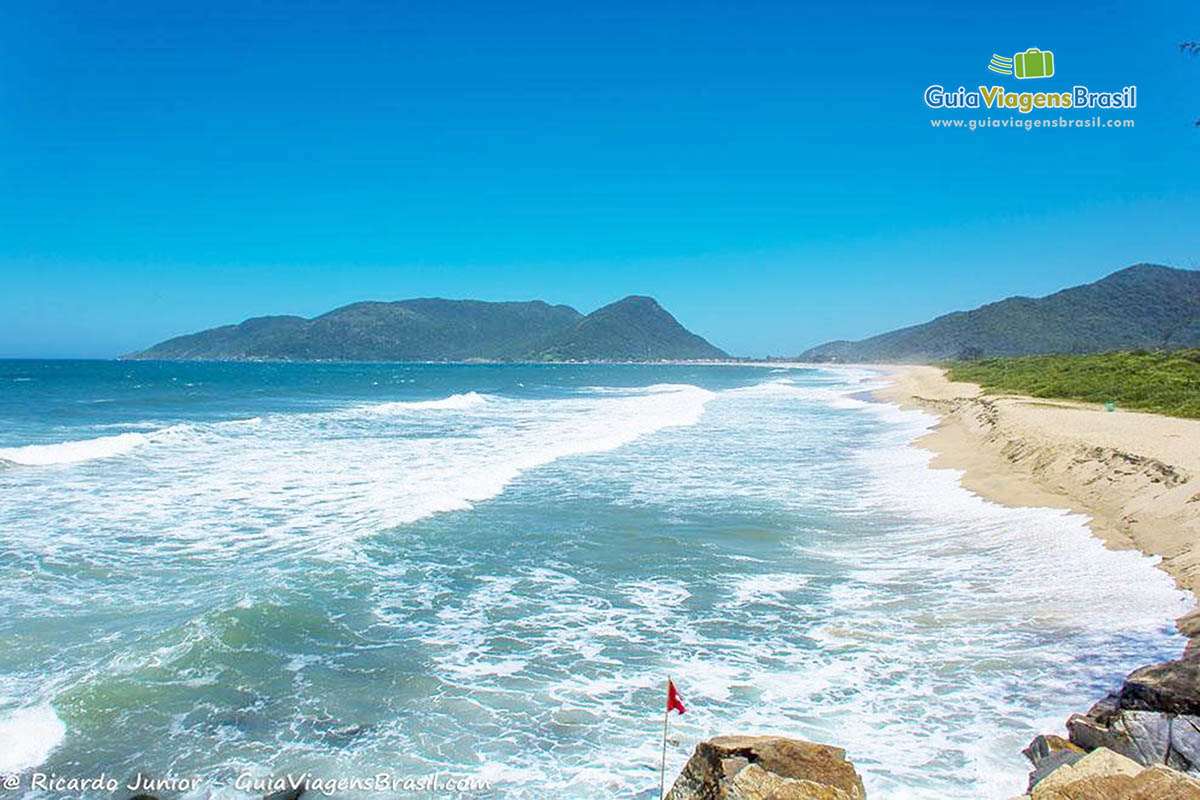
(1143, 306)
(633, 329)
(432, 329)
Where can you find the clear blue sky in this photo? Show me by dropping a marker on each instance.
(767, 170)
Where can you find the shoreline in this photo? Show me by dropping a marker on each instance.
(1135, 475)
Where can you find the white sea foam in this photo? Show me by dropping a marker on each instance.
(774, 587)
(959, 627)
(76, 451)
(658, 595)
(36, 455)
(27, 737)
(780, 550)
(455, 402)
(277, 480)
(72, 452)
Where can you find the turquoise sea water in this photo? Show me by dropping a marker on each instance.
(215, 571)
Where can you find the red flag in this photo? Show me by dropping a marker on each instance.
(674, 701)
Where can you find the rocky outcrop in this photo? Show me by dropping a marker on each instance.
(1105, 775)
(1189, 624)
(1171, 688)
(1140, 743)
(1153, 719)
(1047, 753)
(767, 768)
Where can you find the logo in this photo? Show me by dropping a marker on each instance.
(1001, 64)
(1033, 63)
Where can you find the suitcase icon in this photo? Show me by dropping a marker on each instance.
(1033, 63)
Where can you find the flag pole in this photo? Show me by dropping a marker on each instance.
(662, 775)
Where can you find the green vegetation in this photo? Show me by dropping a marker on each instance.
(634, 329)
(1163, 382)
(432, 329)
(1143, 306)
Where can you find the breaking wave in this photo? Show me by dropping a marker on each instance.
(27, 737)
(73, 452)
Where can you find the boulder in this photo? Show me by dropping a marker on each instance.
(767, 768)
(1184, 753)
(1045, 745)
(1148, 737)
(1159, 782)
(1100, 775)
(1105, 775)
(1143, 736)
(1050, 764)
(1047, 753)
(1171, 688)
(1106, 707)
(1189, 626)
(1154, 719)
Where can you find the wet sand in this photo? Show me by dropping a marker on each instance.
(1135, 474)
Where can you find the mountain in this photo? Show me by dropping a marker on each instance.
(633, 329)
(1143, 306)
(433, 329)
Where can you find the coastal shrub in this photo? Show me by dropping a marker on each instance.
(1162, 382)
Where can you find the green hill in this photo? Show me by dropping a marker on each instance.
(1143, 306)
(633, 329)
(433, 329)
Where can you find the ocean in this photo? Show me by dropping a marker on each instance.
(225, 573)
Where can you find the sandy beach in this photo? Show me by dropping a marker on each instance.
(1134, 474)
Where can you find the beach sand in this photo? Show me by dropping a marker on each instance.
(1136, 475)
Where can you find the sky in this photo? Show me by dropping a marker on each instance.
(767, 170)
